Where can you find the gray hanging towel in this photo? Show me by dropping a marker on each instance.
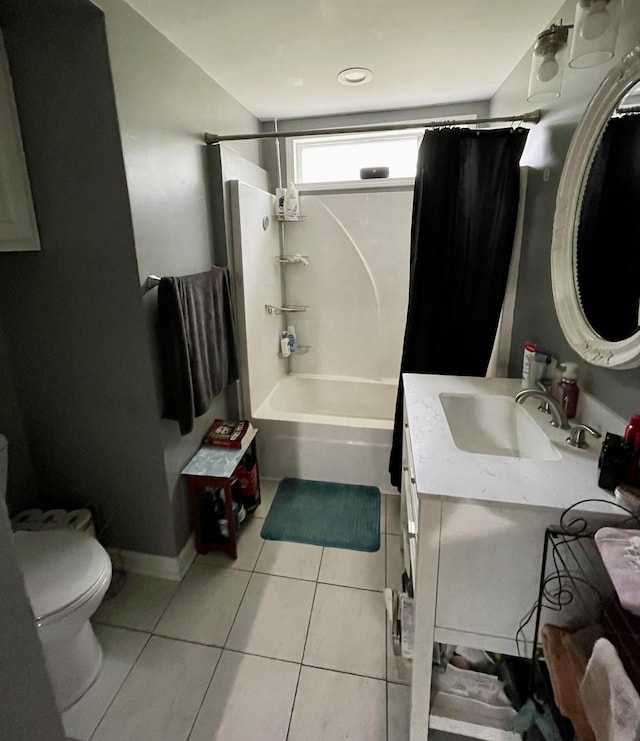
(197, 343)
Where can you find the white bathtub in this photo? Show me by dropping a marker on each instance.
(329, 429)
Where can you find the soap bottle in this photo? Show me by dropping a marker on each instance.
(567, 391)
(280, 195)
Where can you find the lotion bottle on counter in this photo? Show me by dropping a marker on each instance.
(567, 391)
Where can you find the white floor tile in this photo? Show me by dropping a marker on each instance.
(398, 712)
(354, 568)
(383, 513)
(347, 631)
(395, 562)
(393, 514)
(205, 605)
(139, 604)
(297, 560)
(268, 489)
(273, 617)
(250, 697)
(249, 546)
(120, 649)
(162, 694)
(331, 706)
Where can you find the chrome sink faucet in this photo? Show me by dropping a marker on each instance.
(558, 414)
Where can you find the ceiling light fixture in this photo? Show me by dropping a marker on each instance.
(355, 76)
(594, 42)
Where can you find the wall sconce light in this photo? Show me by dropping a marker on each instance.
(548, 63)
(596, 32)
(594, 42)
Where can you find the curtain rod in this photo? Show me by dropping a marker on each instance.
(530, 117)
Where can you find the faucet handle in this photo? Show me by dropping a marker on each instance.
(544, 405)
(577, 436)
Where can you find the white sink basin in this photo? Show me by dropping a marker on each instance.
(495, 425)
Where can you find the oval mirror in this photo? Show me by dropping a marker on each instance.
(595, 253)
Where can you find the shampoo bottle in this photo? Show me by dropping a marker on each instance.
(291, 334)
(280, 196)
(285, 349)
(567, 391)
(291, 209)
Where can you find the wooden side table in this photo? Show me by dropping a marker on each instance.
(213, 467)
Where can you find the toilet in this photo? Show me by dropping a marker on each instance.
(66, 575)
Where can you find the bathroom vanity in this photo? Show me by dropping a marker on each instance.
(482, 479)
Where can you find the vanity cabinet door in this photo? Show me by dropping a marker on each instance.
(18, 230)
(409, 508)
(489, 567)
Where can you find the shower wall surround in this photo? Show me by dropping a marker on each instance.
(257, 281)
(356, 283)
(355, 286)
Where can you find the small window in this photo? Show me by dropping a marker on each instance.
(338, 158)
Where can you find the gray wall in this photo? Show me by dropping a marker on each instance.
(82, 347)
(165, 104)
(22, 488)
(535, 317)
(74, 324)
(27, 711)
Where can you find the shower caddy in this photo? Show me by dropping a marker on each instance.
(283, 259)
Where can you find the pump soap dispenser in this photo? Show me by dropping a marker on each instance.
(567, 391)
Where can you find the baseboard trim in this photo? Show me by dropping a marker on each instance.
(163, 567)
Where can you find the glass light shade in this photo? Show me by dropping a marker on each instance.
(547, 70)
(595, 32)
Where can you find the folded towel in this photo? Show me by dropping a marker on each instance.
(579, 646)
(622, 629)
(566, 676)
(620, 553)
(197, 342)
(610, 700)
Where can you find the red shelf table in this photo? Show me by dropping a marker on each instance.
(213, 467)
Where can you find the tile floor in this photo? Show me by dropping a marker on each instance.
(287, 642)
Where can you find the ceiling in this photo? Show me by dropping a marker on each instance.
(280, 58)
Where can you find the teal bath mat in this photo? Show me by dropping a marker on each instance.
(321, 513)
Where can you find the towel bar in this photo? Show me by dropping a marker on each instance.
(152, 281)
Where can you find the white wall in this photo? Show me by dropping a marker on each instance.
(257, 279)
(356, 285)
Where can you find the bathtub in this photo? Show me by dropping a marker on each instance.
(327, 428)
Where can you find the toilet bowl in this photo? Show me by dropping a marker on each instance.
(66, 575)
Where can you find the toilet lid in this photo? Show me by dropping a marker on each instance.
(58, 566)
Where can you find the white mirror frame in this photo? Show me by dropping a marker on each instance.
(579, 333)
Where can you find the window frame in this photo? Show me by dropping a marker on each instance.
(292, 160)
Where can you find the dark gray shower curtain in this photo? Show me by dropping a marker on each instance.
(465, 207)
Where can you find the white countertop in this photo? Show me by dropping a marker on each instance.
(444, 470)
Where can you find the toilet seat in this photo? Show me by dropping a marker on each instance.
(62, 569)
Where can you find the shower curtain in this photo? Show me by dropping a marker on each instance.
(465, 207)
